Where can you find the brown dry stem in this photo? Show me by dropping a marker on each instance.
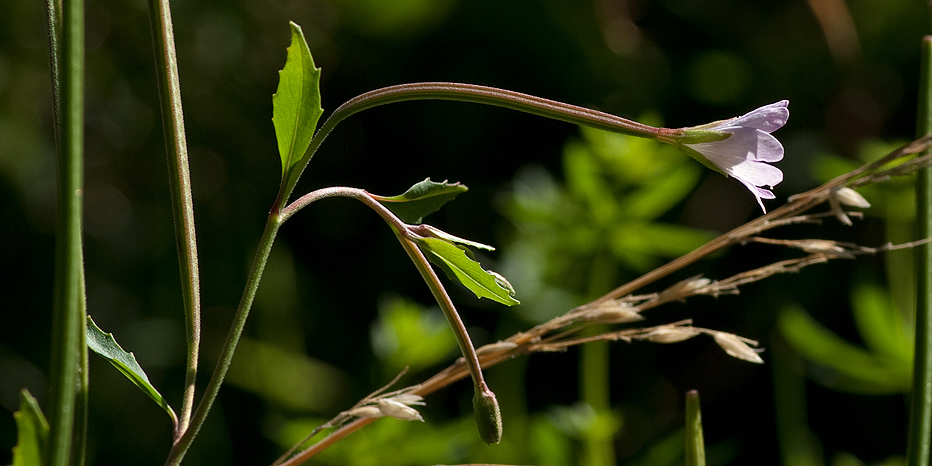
(619, 306)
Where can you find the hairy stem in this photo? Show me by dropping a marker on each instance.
(166, 65)
(182, 443)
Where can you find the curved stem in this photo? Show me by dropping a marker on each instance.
(402, 231)
(481, 95)
(449, 310)
(180, 183)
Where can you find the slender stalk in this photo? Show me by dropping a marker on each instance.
(53, 24)
(695, 445)
(481, 95)
(166, 66)
(183, 442)
(67, 385)
(449, 310)
(421, 262)
(920, 423)
(594, 385)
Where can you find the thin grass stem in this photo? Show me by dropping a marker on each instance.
(68, 367)
(920, 422)
(166, 66)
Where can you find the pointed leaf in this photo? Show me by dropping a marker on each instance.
(296, 103)
(421, 199)
(105, 345)
(32, 432)
(455, 262)
(429, 231)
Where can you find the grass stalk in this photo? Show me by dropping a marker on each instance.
(166, 66)
(68, 392)
(920, 422)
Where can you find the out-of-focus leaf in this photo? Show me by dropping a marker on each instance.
(661, 193)
(881, 324)
(296, 103)
(454, 260)
(407, 335)
(695, 445)
(105, 345)
(642, 245)
(286, 377)
(32, 431)
(585, 182)
(840, 364)
(421, 199)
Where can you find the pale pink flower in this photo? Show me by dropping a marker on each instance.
(747, 151)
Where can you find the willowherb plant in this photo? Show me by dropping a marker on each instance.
(741, 147)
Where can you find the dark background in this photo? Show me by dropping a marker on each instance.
(690, 61)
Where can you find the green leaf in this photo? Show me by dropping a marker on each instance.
(32, 431)
(296, 103)
(454, 260)
(850, 368)
(105, 345)
(421, 199)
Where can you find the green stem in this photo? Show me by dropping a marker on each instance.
(695, 445)
(423, 266)
(449, 310)
(166, 65)
(598, 448)
(481, 95)
(68, 390)
(182, 443)
(920, 424)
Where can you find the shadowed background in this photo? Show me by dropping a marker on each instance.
(340, 308)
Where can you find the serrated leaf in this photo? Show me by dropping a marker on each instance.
(454, 260)
(105, 345)
(296, 102)
(421, 199)
(32, 431)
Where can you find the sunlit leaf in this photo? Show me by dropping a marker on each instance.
(296, 103)
(454, 260)
(421, 199)
(32, 432)
(438, 233)
(105, 345)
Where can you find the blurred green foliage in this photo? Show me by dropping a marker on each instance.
(579, 212)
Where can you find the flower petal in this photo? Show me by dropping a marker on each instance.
(768, 118)
(744, 144)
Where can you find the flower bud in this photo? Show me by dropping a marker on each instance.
(488, 416)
